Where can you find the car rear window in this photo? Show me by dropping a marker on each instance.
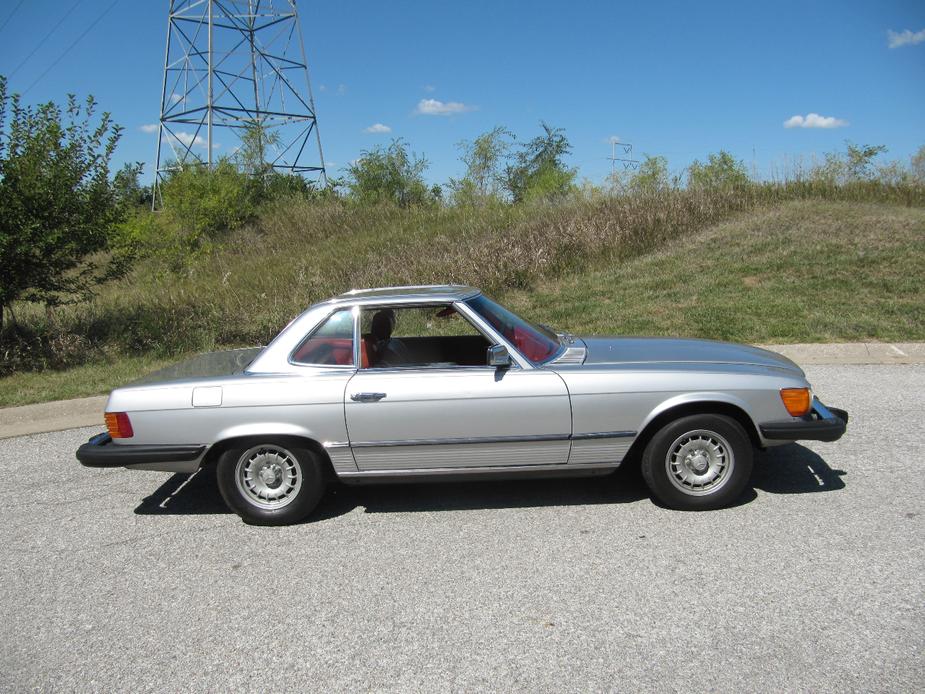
(330, 344)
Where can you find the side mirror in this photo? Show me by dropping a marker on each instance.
(499, 356)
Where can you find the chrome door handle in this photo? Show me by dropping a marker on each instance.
(367, 397)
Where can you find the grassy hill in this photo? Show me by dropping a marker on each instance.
(806, 271)
(752, 270)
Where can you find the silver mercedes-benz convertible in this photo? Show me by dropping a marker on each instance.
(441, 383)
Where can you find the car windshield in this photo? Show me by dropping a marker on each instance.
(536, 343)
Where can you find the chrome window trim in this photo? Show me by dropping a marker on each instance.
(430, 369)
(468, 314)
(315, 328)
(494, 335)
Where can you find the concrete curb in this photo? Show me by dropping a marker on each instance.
(52, 416)
(854, 353)
(86, 412)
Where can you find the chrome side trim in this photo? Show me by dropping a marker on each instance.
(495, 469)
(604, 435)
(467, 440)
(484, 439)
(336, 444)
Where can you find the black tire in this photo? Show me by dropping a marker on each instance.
(296, 500)
(698, 463)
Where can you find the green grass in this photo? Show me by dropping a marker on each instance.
(78, 382)
(800, 272)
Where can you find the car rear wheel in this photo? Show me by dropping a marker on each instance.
(269, 483)
(698, 463)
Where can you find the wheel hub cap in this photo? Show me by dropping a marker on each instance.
(699, 462)
(268, 476)
(271, 475)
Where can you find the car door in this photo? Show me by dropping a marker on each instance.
(456, 416)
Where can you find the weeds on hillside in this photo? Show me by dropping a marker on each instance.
(234, 257)
(298, 251)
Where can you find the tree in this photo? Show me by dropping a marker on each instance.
(128, 191)
(918, 165)
(251, 156)
(722, 170)
(389, 174)
(651, 177)
(485, 159)
(538, 171)
(856, 164)
(859, 160)
(57, 204)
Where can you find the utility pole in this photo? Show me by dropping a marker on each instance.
(626, 149)
(231, 66)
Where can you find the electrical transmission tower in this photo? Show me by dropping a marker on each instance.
(627, 149)
(237, 68)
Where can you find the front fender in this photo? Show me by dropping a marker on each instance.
(699, 397)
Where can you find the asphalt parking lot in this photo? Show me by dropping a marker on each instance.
(117, 580)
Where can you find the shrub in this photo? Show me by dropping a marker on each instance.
(389, 174)
(722, 170)
(203, 203)
(539, 171)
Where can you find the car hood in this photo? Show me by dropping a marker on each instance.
(660, 350)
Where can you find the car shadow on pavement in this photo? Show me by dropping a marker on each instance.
(184, 494)
(794, 469)
(790, 469)
(622, 487)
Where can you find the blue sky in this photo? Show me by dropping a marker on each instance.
(677, 79)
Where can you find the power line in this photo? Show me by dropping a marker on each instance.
(69, 48)
(10, 16)
(47, 36)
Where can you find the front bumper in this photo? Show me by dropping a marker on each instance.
(99, 451)
(822, 424)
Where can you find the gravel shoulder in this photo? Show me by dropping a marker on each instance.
(138, 581)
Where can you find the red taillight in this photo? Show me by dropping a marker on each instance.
(119, 425)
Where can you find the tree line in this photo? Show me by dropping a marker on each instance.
(68, 223)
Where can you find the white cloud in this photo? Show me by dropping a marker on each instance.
(814, 120)
(149, 127)
(323, 88)
(341, 89)
(896, 39)
(429, 88)
(174, 97)
(432, 107)
(377, 128)
(189, 140)
(612, 140)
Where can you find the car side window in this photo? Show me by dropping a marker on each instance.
(420, 336)
(330, 344)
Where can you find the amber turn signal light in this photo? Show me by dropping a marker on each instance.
(119, 425)
(798, 401)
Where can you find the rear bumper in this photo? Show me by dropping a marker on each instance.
(822, 424)
(100, 452)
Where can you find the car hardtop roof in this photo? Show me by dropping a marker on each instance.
(409, 294)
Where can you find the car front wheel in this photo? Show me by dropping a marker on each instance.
(270, 484)
(698, 463)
